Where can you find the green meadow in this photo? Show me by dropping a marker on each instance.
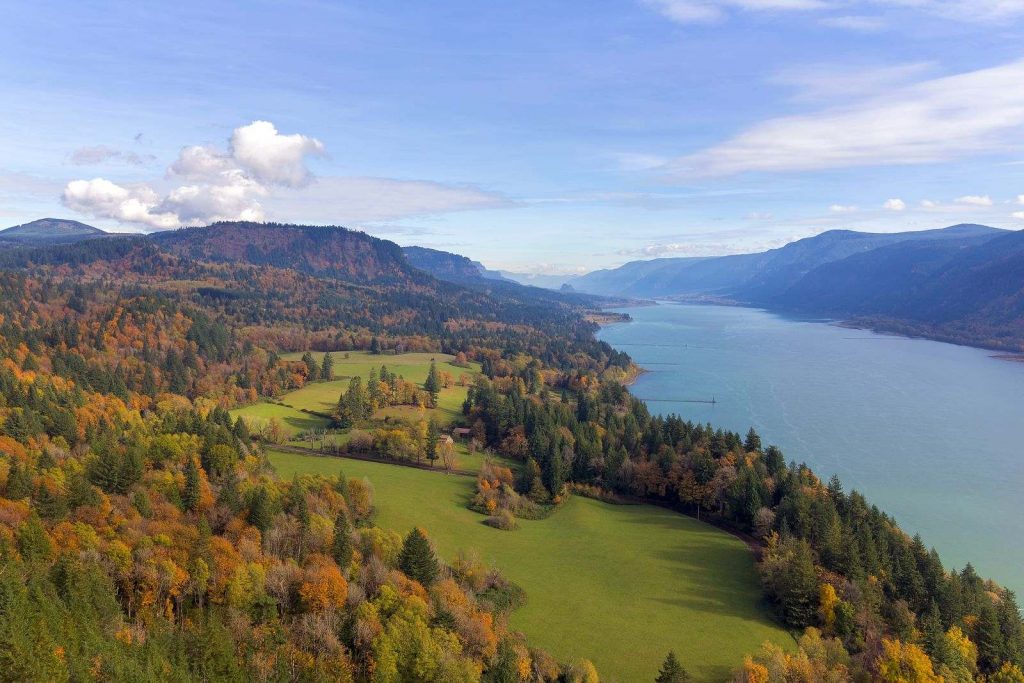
(620, 585)
(322, 397)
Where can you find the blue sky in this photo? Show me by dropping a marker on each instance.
(534, 136)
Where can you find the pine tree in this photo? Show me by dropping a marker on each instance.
(190, 493)
(341, 546)
(433, 383)
(672, 671)
(327, 367)
(417, 559)
(433, 434)
(312, 369)
(260, 515)
(752, 442)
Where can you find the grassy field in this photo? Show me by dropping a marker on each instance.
(322, 397)
(620, 585)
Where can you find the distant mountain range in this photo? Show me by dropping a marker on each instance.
(48, 231)
(963, 283)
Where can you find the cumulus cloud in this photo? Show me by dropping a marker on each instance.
(928, 204)
(842, 208)
(271, 157)
(974, 200)
(1019, 215)
(1020, 199)
(100, 154)
(259, 168)
(928, 121)
(895, 204)
(102, 198)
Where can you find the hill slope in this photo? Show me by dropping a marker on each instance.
(49, 231)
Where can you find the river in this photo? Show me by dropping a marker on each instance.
(932, 433)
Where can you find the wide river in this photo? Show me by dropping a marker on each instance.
(932, 433)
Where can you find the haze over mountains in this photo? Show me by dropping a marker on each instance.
(963, 283)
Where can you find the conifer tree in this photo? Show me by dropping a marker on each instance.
(672, 671)
(417, 559)
(260, 515)
(433, 434)
(341, 546)
(433, 383)
(190, 493)
(327, 367)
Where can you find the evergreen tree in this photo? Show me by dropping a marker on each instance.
(417, 559)
(375, 346)
(327, 367)
(752, 442)
(433, 434)
(672, 671)
(341, 546)
(433, 383)
(190, 492)
(260, 515)
(312, 369)
(19, 481)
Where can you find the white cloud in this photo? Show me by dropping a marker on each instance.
(200, 163)
(708, 11)
(974, 200)
(929, 204)
(104, 199)
(895, 204)
(933, 120)
(833, 83)
(271, 157)
(357, 200)
(704, 11)
(842, 208)
(1020, 199)
(99, 154)
(1019, 215)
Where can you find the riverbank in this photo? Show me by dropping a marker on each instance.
(879, 415)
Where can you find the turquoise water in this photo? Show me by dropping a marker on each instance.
(932, 433)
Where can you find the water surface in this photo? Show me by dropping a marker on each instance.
(932, 433)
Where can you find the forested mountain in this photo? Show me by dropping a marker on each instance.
(328, 251)
(444, 265)
(143, 534)
(961, 283)
(48, 231)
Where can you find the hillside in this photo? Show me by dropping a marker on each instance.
(323, 251)
(48, 231)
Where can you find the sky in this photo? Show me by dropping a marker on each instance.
(550, 137)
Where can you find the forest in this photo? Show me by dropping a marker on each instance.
(144, 535)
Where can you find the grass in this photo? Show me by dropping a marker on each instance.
(322, 397)
(619, 585)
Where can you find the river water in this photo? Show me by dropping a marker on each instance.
(932, 433)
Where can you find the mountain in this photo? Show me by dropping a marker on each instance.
(444, 265)
(48, 231)
(759, 276)
(942, 289)
(331, 251)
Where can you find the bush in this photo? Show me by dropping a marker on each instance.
(503, 520)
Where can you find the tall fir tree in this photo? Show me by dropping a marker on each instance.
(417, 559)
(672, 671)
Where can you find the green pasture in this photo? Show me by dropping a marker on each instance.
(619, 585)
